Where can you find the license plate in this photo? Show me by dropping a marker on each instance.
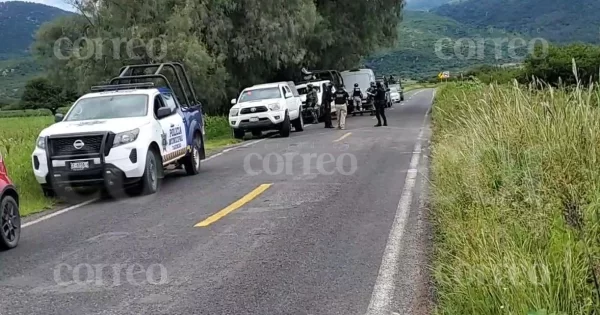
(79, 165)
(253, 119)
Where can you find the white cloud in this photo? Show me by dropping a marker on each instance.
(55, 3)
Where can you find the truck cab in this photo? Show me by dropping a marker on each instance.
(121, 136)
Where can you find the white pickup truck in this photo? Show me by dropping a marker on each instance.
(271, 106)
(120, 137)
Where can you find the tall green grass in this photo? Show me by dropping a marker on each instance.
(17, 142)
(516, 199)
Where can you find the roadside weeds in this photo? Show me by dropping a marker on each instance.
(516, 200)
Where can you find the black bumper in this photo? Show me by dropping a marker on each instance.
(262, 124)
(98, 175)
(105, 175)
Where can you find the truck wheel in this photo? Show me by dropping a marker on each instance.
(151, 180)
(48, 192)
(192, 161)
(298, 123)
(239, 133)
(286, 127)
(10, 223)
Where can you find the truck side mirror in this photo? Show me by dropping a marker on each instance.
(288, 95)
(59, 117)
(163, 112)
(233, 101)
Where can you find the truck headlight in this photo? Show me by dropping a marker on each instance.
(41, 143)
(233, 112)
(274, 106)
(126, 137)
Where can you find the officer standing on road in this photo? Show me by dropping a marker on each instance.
(341, 106)
(380, 101)
(311, 96)
(371, 91)
(357, 97)
(326, 105)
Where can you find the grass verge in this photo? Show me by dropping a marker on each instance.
(416, 86)
(516, 199)
(17, 141)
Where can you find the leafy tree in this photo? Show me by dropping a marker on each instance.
(554, 65)
(225, 45)
(42, 93)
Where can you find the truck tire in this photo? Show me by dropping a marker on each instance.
(239, 134)
(192, 160)
(9, 211)
(151, 179)
(286, 127)
(48, 192)
(298, 123)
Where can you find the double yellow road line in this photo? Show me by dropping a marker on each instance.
(234, 206)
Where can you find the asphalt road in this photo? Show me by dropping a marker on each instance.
(342, 229)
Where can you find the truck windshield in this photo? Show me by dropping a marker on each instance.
(109, 107)
(260, 94)
(361, 78)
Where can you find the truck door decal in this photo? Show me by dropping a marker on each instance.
(175, 138)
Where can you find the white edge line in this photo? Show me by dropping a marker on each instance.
(59, 212)
(385, 285)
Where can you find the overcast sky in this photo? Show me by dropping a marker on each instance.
(55, 3)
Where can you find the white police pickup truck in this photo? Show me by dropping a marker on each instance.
(120, 137)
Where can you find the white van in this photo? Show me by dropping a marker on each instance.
(363, 77)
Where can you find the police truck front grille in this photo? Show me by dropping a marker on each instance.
(259, 109)
(76, 145)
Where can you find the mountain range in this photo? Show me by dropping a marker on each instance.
(427, 24)
(18, 23)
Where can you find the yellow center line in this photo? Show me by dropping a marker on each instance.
(343, 137)
(234, 206)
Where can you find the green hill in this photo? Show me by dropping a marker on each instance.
(555, 20)
(419, 5)
(421, 33)
(14, 73)
(18, 23)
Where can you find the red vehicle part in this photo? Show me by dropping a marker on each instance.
(10, 220)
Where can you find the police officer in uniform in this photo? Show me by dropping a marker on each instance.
(326, 105)
(371, 91)
(380, 101)
(357, 98)
(341, 106)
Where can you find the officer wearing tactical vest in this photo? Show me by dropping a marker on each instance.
(326, 105)
(357, 97)
(380, 100)
(311, 96)
(341, 101)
